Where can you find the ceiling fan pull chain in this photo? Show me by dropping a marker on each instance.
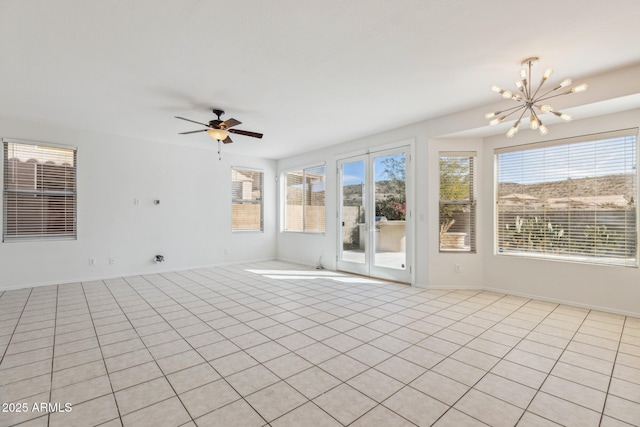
(219, 155)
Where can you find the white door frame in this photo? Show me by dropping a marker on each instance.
(368, 268)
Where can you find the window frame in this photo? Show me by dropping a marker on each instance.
(46, 233)
(303, 174)
(470, 203)
(575, 253)
(235, 201)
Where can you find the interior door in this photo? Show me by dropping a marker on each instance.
(375, 221)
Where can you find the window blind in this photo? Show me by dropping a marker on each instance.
(457, 202)
(247, 210)
(305, 200)
(39, 194)
(570, 199)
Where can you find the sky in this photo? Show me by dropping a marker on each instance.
(354, 172)
(576, 160)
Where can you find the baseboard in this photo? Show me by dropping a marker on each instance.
(130, 274)
(564, 302)
(298, 262)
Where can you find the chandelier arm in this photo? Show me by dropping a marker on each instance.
(552, 96)
(535, 115)
(524, 109)
(551, 91)
(512, 108)
(523, 91)
(537, 90)
(529, 81)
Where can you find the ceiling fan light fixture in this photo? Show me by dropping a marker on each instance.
(218, 134)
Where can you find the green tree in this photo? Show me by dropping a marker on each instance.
(455, 184)
(394, 205)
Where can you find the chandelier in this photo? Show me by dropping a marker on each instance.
(531, 101)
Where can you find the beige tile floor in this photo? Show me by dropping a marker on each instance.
(275, 344)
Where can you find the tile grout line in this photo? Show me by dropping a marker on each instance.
(84, 293)
(458, 321)
(307, 294)
(26, 301)
(183, 338)
(279, 378)
(241, 350)
(114, 297)
(552, 368)
(613, 367)
(53, 352)
(447, 358)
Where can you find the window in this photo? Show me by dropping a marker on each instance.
(39, 194)
(304, 200)
(246, 200)
(457, 202)
(573, 199)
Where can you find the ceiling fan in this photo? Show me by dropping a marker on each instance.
(219, 130)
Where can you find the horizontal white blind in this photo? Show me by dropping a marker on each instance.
(39, 195)
(305, 200)
(457, 202)
(575, 201)
(314, 192)
(247, 200)
(294, 195)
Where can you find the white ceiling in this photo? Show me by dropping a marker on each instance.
(306, 73)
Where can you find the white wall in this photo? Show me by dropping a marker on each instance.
(307, 248)
(432, 268)
(614, 289)
(191, 226)
(610, 288)
(442, 272)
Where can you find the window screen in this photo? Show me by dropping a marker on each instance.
(571, 199)
(39, 194)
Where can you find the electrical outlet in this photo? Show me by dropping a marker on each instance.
(457, 268)
(92, 261)
(136, 202)
(112, 261)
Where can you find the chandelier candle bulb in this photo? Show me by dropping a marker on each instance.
(580, 88)
(513, 130)
(496, 121)
(534, 123)
(565, 83)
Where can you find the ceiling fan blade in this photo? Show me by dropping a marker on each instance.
(227, 140)
(246, 133)
(192, 121)
(193, 131)
(230, 123)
